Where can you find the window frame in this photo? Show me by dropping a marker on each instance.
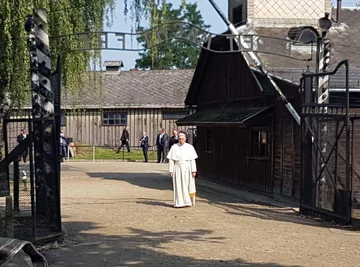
(241, 11)
(122, 118)
(208, 141)
(256, 145)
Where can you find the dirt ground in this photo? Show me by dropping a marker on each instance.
(121, 214)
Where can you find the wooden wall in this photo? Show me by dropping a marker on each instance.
(230, 161)
(224, 77)
(287, 149)
(85, 126)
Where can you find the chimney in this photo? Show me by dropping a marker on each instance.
(113, 66)
(338, 11)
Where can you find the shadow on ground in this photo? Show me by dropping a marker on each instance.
(138, 248)
(234, 205)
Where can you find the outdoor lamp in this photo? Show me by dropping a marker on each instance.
(324, 24)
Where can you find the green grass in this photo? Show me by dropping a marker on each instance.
(103, 153)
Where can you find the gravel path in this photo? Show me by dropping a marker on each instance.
(120, 214)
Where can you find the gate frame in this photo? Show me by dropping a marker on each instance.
(310, 110)
(54, 223)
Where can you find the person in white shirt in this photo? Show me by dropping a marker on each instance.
(182, 168)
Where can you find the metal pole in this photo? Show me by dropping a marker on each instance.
(317, 68)
(93, 153)
(5, 134)
(352, 164)
(348, 158)
(32, 181)
(256, 60)
(68, 153)
(338, 11)
(16, 183)
(318, 130)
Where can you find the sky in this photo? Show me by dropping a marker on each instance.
(209, 14)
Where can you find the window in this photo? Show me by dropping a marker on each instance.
(239, 13)
(307, 36)
(260, 141)
(114, 118)
(208, 140)
(174, 115)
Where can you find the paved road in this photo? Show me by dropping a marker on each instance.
(120, 214)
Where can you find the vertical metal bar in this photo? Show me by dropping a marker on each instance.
(282, 156)
(348, 156)
(68, 153)
(5, 134)
(16, 183)
(317, 70)
(293, 159)
(56, 80)
(272, 153)
(93, 153)
(352, 164)
(32, 180)
(123, 154)
(336, 153)
(317, 163)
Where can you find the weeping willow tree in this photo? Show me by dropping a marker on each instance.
(64, 17)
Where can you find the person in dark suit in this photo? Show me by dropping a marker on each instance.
(21, 137)
(173, 139)
(144, 143)
(63, 146)
(162, 142)
(124, 139)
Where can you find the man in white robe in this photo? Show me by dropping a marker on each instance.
(182, 168)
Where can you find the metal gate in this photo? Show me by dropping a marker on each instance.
(32, 173)
(327, 131)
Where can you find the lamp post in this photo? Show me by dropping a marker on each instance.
(322, 97)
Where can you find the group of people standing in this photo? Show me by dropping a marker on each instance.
(164, 144)
(63, 145)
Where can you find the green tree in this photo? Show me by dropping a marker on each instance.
(174, 53)
(64, 17)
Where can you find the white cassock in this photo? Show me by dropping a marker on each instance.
(182, 164)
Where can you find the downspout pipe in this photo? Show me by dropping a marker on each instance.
(257, 62)
(338, 11)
